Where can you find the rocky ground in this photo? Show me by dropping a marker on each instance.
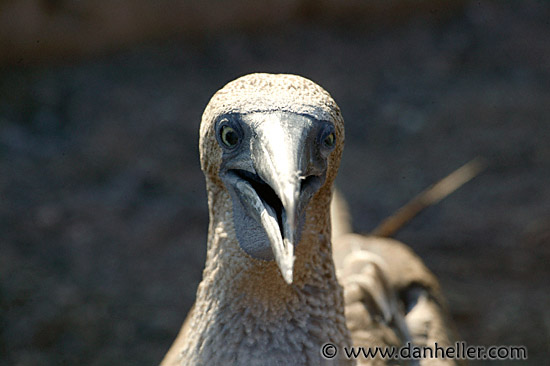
(103, 211)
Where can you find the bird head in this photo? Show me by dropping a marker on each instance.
(272, 142)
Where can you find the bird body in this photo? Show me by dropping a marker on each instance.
(270, 147)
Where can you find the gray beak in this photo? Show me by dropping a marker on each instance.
(281, 156)
(281, 159)
(272, 178)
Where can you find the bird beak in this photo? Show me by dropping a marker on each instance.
(281, 158)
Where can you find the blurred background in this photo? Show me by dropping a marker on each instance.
(103, 212)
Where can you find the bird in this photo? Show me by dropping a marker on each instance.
(278, 285)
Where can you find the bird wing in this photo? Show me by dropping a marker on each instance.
(391, 298)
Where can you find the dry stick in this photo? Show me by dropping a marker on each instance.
(430, 196)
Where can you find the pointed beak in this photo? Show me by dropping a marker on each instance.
(281, 158)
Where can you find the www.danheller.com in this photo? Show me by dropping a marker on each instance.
(458, 351)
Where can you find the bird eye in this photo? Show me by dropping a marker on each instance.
(327, 136)
(229, 136)
(330, 140)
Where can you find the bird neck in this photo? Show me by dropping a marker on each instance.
(252, 295)
(261, 280)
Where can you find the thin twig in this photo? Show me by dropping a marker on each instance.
(429, 197)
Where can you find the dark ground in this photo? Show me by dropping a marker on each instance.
(103, 211)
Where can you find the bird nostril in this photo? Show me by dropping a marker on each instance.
(310, 181)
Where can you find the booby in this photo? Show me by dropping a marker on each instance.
(270, 148)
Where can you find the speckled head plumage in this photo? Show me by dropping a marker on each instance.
(263, 92)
